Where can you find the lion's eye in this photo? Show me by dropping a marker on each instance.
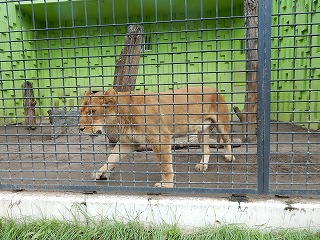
(92, 111)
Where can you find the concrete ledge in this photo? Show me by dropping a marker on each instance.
(186, 212)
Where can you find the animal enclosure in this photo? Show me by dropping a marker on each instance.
(64, 49)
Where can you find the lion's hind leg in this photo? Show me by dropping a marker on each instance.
(224, 132)
(203, 139)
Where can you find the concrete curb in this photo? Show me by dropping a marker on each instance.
(186, 212)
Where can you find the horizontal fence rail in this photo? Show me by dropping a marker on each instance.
(182, 96)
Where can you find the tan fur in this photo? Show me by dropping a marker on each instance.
(153, 119)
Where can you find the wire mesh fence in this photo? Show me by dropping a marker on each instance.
(165, 78)
(294, 157)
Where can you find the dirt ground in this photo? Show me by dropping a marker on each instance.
(32, 158)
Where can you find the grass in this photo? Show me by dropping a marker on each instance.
(54, 229)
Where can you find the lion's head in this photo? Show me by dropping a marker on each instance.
(95, 111)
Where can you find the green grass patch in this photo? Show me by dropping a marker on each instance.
(54, 229)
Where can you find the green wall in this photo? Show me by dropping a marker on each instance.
(68, 57)
(295, 62)
(166, 65)
(17, 61)
(63, 55)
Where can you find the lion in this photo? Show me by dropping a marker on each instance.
(153, 119)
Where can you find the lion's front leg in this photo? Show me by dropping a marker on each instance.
(164, 156)
(119, 151)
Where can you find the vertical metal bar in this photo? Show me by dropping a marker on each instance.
(264, 70)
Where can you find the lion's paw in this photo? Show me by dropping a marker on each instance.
(100, 175)
(229, 158)
(201, 167)
(164, 185)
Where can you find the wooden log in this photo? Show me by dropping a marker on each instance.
(126, 68)
(29, 104)
(127, 64)
(248, 116)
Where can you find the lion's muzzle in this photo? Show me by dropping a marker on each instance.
(89, 130)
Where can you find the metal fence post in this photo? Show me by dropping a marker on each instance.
(264, 73)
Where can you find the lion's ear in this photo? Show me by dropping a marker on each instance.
(110, 96)
(87, 93)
